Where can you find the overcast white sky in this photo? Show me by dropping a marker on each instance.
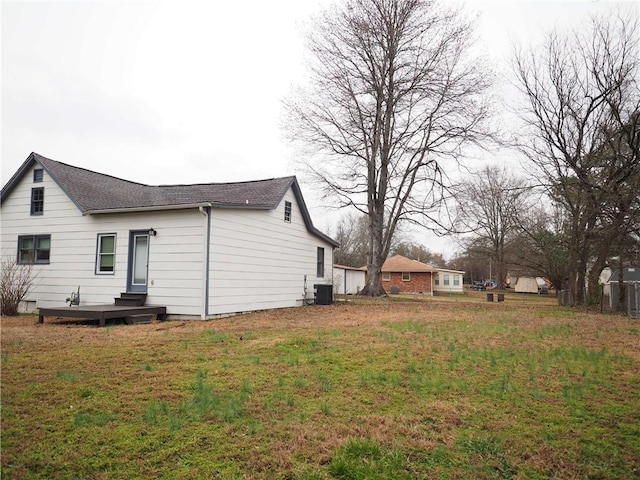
(163, 92)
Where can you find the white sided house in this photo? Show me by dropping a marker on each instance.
(200, 250)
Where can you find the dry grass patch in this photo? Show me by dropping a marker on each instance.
(423, 388)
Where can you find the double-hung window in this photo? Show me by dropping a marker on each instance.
(106, 253)
(446, 279)
(406, 276)
(386, 276)
(34, 249)
(320, 263)
(287, 212)
(456, 279)
(37, 201)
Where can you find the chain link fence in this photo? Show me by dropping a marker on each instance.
(632, 296)
(633, 299)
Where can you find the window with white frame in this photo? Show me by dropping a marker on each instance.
(446, 279)
(34, 249)
(406, 276)
(287, 212)
(106, 254)
(456, 279)
(437, 280)
(386, 276)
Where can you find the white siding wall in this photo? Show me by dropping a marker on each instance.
(352, 280)
(439, 286)
(259, 261)
(175, 254)
(355, 281)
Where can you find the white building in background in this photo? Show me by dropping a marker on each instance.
(348, 280)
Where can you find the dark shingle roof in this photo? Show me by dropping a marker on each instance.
(94, 192)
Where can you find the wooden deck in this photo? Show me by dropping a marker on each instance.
(101, 312)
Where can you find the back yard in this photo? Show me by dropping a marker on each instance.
(396, 388)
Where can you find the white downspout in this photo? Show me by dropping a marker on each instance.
(205, 263)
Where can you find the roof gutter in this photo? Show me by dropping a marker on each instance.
(156, 208)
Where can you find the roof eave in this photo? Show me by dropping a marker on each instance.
(154, 208)
(306, 216)
(15, 179)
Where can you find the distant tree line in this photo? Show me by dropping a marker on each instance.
(395, 97)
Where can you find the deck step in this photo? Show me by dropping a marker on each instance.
(129, 302)
(131, 299)
(138, 319)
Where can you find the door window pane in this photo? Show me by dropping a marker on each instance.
(140, 260)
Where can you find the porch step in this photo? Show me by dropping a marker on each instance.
(131, 299)
(138, 319)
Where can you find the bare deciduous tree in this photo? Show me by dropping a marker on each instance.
(353, 238)
(540, 246)
(488, 205)
(419, 252)
(392, 94)
(581, 132)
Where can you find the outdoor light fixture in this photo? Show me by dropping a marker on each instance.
(152, 232)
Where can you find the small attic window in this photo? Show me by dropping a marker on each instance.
(287, 212)
(38, 175)
(37, 201)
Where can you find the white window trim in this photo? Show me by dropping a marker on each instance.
(408, 274)
(98, 254)
(386, 276)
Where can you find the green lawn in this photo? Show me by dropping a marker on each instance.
(398, 388)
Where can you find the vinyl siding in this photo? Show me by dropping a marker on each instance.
(175, 254)
(259, 261)
(256, 259)
(439, 285)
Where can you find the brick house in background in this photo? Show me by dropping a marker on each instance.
(403, 275)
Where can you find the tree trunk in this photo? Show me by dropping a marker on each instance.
(581, 281)
(594, 292)
(374, 288)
